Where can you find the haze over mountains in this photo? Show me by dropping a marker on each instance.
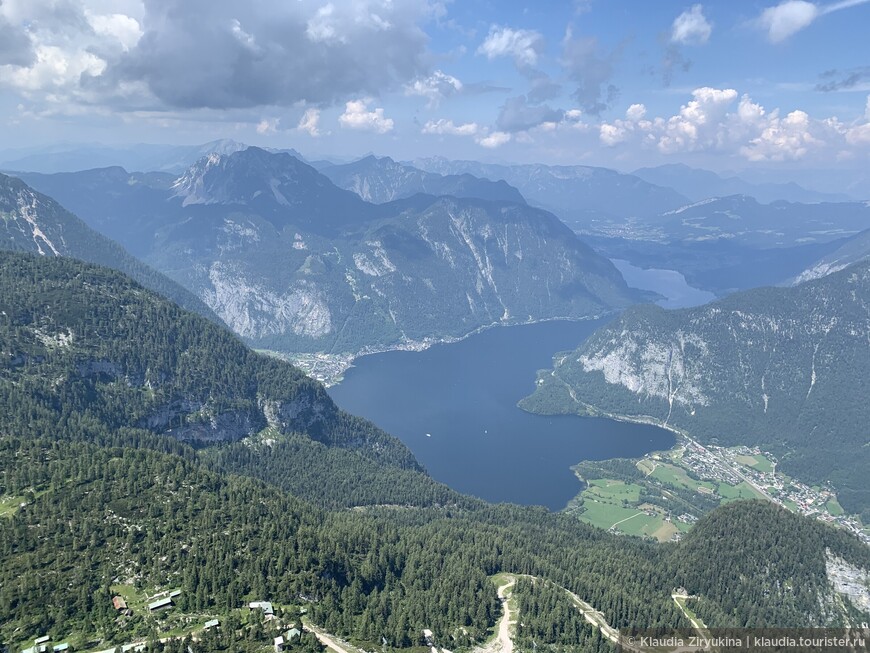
(35, 223)
(294, 263)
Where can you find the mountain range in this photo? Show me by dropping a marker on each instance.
(293, 263)
(380, 180)
(698, 184)
(781, 368)
(579, 195)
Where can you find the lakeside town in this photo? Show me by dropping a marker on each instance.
(734, 465)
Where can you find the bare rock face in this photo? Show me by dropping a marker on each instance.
(293, 263)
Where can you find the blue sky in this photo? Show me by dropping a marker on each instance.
(725, 85)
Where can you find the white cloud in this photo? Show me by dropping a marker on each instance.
(309, 122)
(55, 69)
(435, 87)
(635, 112)
(268, 125)
(710, 122)
(691, 27)
(357, 116)
(699, 123)
(444, 126)
(791, 16)
(494, 139)
(525, 46)
(124, 29)
(782, 139)
(787, 18)
(171, 55)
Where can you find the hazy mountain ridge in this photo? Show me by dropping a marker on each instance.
(35, 223)
(294, 263)
(856, 248)
(777, 367)
(380, 180)
(577, 194)
(698, 184)
(742, 219)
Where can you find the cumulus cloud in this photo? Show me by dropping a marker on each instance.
(215, 54)
(618, 131)
(699, 123)
(443, 126)
(791, 16)
(435, 87)
(523, 45)
(517, 115)
(310, 122)
(268, 126)
(859, 133)
(714, 120)
(357, 116)
(590, 71)
(494, 139)
(781, 139)
(691, 27)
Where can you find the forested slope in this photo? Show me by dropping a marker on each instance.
(94, 497)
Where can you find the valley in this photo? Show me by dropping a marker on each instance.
(668, 491)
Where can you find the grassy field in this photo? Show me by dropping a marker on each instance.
(677, 476)
(834, 508)
(9, 504)
(613, 504)
(740, 491)
(609, 491)
(759, 462)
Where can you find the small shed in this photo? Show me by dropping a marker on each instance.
(211, 623)
(119, 603)
(42, 640)
(174, 593)
(60, 648)
(293, 633)
(279, 644)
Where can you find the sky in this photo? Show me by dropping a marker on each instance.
(721, 84)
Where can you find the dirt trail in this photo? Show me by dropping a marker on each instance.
(502, 643)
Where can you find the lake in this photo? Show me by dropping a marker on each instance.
(670, 284)
(454, 406)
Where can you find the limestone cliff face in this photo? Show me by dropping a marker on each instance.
(292, 263)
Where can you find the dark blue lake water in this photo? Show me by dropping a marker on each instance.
(454, 405)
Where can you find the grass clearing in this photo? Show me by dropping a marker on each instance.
(742, 490)
(833, 506)
(9, 504)
(676, 476)
(757, 462)
(610, 491)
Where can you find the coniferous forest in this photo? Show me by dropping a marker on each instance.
(143, 449)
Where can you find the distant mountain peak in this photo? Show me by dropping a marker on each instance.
(244, 176)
